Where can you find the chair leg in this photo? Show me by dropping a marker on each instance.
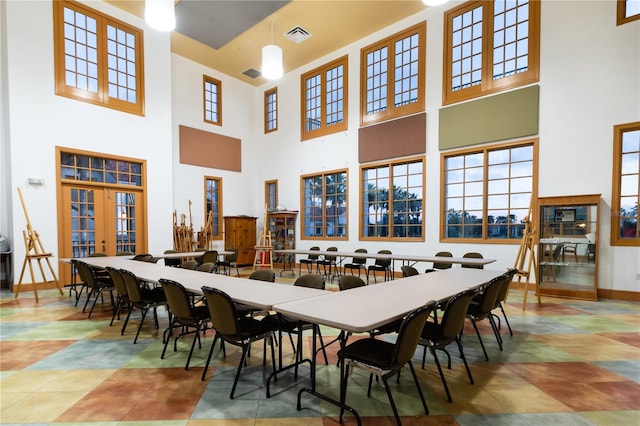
(505, 319)
(486, 357)
(143, 314)
(193, 345)
(206, 365)
(169, 332)
(496, 332)
(391, 401)
(415, 379)
(126, 320)
(464, 359)
(444, 381)
(245, 348)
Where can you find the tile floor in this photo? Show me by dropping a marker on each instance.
(569, 362)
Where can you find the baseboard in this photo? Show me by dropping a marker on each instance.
(628, 296)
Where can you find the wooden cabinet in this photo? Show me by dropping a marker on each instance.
(240, 233)
(282, 226)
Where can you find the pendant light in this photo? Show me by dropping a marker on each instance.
(271, 60)
(434, 2)
(160, 14)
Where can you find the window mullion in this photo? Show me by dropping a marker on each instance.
(487, 45)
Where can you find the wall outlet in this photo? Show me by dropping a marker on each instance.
(638, 276)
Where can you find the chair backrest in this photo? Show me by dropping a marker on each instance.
(118, 281)
(124, 253)
(189, 264)
(142, 257)
(177, 298)
(383, 262)
(310, 280)
(233, 257)
(207, 267)
(347, 282)
(176, 261)
(359, 260)
(442, 265)
(314, 256)
(473, 255)
(489, 295)
(557, 251)
(86, 272)
(263, 275)
(506, 282)
(455, 313)
(222, 310)
(133, 286)
(409, 271)
(209, 256)
(97, 254)
(331, 258)
(409, 333)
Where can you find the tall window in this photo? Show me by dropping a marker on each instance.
(490, 46)
(212, 100)
(626, 185)
(393, 200)
(98, 59)
(324, 99)
(487, 192)
(271, 110)
(271, 194)
(213, 204)
(324, 210)
(392, 76)
(628, 10)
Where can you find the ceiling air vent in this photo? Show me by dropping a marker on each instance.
(297, 35)
(252, 73)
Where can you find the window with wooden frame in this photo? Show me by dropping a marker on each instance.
(324, 99)
(486, 192)
(271, 110)
(490, 46)
(392, 76)
(212, 98)
(213, 205)
(392, 200)
(626, 185)
(324, 205)
(98, 59)
(271, 195)
(628, 11)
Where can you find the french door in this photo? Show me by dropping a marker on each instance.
(102, 220)
(101, 205)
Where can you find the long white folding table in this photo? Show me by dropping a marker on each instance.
(342, 255)
(258, 294)
(365, 308)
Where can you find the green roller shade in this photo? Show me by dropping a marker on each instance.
(505, 116)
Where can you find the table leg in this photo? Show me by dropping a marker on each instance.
(313, 391)
(299, 360)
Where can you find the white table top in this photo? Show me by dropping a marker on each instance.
(366, 308)
(182, 255)
(258, 294)
(405, 257)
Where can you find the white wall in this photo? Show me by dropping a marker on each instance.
(40, 120)
(240, 193)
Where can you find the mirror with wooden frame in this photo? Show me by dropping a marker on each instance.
(568, 246)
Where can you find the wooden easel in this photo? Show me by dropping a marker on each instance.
(527, 254)
(264, 249)
(34, 251)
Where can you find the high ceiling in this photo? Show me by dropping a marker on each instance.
(229, 35)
